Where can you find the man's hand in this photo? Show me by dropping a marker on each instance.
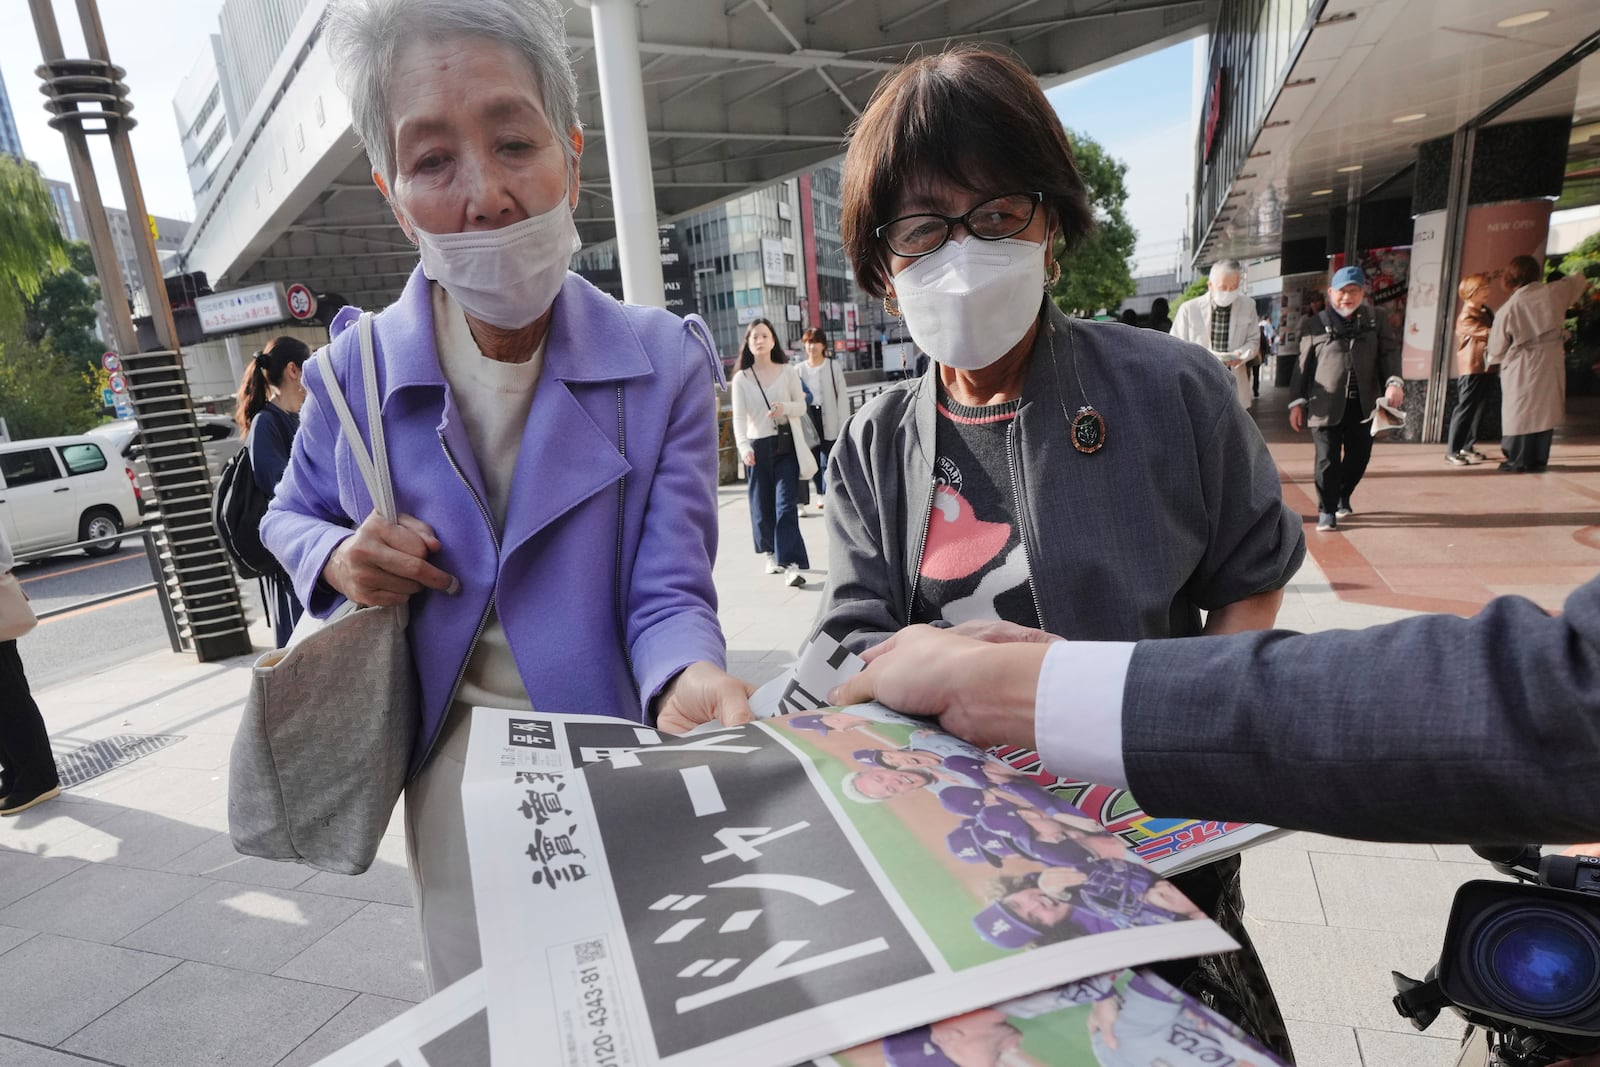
(703, 693)
(1297, 418)
(1103, 1020)
(748, 457)
(979, 691)
(383, 564)
(1395, 396)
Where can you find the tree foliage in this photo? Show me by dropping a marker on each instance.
(31, 249)
(39, 397)
(62, 316)
(1095, 274)
(1190, 291)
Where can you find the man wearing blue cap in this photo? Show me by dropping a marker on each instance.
(1342, 368)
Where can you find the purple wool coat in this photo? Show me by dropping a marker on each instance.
(553, 577)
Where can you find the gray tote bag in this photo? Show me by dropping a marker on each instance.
(322, 752)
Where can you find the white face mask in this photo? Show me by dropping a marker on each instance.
(1226, 298)
(970, 302)
(506, 277)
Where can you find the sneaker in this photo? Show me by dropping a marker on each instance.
(1457, 459)
(773, 566)
(1344, 510)
(1474, 455)
(1326, 521)
(1513, 468)
(809, 512)
(22, 799)
(795, 579)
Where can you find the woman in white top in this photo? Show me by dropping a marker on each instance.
(829, 404)
(768, 404)
(27, 768)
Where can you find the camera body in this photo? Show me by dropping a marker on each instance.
(1521, 960)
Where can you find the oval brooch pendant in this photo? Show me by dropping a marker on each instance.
(1088, 430)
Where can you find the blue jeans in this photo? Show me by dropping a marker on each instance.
(774, 487)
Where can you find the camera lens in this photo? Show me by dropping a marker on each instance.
(1539, 961)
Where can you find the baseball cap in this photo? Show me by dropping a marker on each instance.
(914, 1048)
(1000, 926)
(808, 722)
(970, 844)
(1348, 276)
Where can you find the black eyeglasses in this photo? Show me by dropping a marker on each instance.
(993, 220)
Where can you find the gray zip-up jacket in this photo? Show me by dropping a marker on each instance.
(1180, 511)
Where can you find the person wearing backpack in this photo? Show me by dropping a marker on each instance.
(270, 396)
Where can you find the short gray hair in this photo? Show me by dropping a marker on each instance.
(1224, 267)
(365, 37)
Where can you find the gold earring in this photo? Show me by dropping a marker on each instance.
(1055, 275)
(891, 306)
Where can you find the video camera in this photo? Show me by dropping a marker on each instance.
(1521, 960)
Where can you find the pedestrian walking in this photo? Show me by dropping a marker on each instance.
(1343, 367)
(1224, 323)
(1525, 342)
(830, 403)
(768, 404)
(1476, 383)
(1160, 315)
(268, 413)
(28, 773)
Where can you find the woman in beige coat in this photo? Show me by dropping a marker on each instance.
(1475, 382)
(1525, 343)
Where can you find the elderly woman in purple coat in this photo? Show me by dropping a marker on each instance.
(553, 451)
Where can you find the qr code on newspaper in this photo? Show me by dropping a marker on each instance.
(589, 951)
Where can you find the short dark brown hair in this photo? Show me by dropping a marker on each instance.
(1522, 270)
(814, 333)
(971, 117)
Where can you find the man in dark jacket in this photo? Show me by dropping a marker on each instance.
(1343, 368)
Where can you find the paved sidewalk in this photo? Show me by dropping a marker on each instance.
(133, 935)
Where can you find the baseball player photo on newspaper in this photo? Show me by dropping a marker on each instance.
(766, 894)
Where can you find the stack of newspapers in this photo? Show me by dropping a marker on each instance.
(848, 887)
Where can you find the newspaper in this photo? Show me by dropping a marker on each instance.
(774, 892)
(1125, 1020)
(1168, 846)
(1131, 1019)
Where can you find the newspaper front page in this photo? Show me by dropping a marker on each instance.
(1169, 846)
(771, 893)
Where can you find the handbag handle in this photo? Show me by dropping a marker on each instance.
(374, 465)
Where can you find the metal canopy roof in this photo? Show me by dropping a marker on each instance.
(739, 93)
(1369, 63)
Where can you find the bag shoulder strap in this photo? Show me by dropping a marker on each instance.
(374, 465)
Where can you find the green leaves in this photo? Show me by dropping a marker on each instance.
(31, 248)
(1095, 274)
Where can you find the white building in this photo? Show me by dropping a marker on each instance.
(207, 118)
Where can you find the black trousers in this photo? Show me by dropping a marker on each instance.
(1343, 451)
(1530, 450)
(26, 764)
(1474, 393)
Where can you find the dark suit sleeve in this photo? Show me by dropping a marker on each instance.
(1388, 353)
(1430, 729)
(1305, 367)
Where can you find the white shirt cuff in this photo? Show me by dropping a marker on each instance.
(1296, 403)
(1078, 716)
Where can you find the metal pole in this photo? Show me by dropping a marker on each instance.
(144, 244)
(616, 48)
(1462, 147)
(106, 267)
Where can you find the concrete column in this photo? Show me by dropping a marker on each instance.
(235, 358)
(633, 196)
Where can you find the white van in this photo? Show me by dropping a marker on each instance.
(58, 491)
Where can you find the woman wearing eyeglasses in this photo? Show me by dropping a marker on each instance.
(1089, 479)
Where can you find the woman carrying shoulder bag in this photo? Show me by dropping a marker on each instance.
(270, 398)
(830, 406)
(768, 404)
(27, 769)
